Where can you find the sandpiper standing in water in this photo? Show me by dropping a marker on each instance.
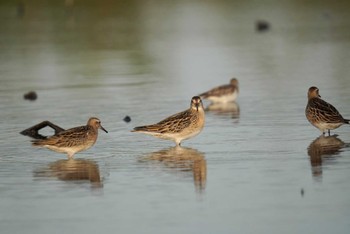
(223, 93)
(180, 126)
(322, 114)
(73, 140)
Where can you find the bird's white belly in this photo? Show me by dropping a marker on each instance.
(177, 137)
(224, 98)
(326, 126)
(67, 150)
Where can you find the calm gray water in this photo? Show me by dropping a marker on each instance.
(257, 167)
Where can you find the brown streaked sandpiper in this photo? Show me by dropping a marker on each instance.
(180, 126)
(223, 93)
(73, 140)
(322, 114)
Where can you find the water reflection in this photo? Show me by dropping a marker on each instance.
(185, 160)
(323, 149)
(72, 170)
(230, 108)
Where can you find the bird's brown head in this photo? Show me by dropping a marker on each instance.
(313, 92)
(234, 82)
(96, 124)
(196, 103)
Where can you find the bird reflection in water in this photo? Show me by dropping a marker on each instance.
(229, 109)
(185, 160)
(323, 149)
(73, 170)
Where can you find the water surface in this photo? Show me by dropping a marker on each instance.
(257, 167)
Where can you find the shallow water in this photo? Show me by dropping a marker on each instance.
(257, 167)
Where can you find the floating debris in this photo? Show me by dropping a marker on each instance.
(33, 131)
(262, 26)
(32, 96)
(21, 9)
(127, 119)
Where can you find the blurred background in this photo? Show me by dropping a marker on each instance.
(256, 168)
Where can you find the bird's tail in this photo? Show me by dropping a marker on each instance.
(347, 121)
(136, 129)
(203, 95)
(147, 128)
(37, 142)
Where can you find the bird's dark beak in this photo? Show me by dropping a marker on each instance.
(197, 105)
(103, 129)
(319, 96)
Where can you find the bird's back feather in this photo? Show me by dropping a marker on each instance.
(67, 138)
(325, 111)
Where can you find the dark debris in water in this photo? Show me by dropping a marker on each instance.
(31, 96)
(33, 131)
(127, 119)
(262, 26)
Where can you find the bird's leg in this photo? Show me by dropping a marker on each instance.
(178, 143)
(70, 156)
(329, 132)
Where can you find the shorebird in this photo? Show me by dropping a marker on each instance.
(180, 126)
(322, 114)
(73, 140)
(223, 93)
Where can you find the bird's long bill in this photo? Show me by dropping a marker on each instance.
(197, 105)
(103, 129)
